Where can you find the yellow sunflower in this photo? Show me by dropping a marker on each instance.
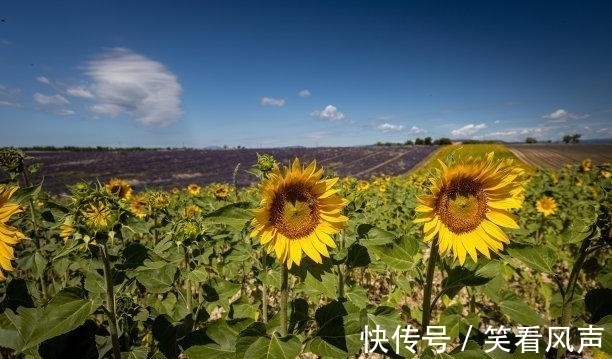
(586, 165)
(139, 205)
(546, 206)
(362, 185)
(193, 189)
(8, 235)
(468, 204)
(222, 192)
(67, 228)
(98, 215)
(120, 188)
(299, 213)
(192, 210)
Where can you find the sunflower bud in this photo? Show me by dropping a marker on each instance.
(265, 162)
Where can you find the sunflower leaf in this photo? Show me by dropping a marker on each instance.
(541, 258)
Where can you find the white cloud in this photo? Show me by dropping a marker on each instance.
(125, 82)
(563, 115)
(304, 93)
(387, 127)
(415, 130)
(9, 96)
(468, 130)
(496, 122)
(43, 80)
(50, 100)
(329, 113)
(79, 91)
(269, 101)
(65, 112)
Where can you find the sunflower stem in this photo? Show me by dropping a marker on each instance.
(283, 299)
(43, 286)
(264, 289)
(110, 303)
(566, 309)
(188, 294)
(431, 266)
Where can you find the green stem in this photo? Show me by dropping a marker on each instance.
(431, 266)
(340, 268)
(264, 289)
(188, 294)
(566, 309)
(283, 299)
(110, 303)
(43, 286)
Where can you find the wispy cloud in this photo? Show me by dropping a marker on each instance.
(270, 101)
(329, 113)
(414, 130)
(388, 127)
(43, 80)
(65, 112)
(125, 82)
(468, 130)
(9, 96)
(50, 100)
(563, 115)
(304, 93)
(79, 91)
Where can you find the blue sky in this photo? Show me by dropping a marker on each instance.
(310, 73)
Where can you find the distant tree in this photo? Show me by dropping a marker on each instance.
(418, 141)
(575, 138)
(427, 141)
(531, 140)
(443, 141)
(409, 143)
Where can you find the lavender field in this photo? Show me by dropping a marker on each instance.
(179, 167)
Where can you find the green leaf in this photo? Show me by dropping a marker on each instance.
(520, 312)
(376, 236)
(157, 277)
(136, 353)
(459, 277)
(339, 334)
(234, 215)
(358, 256)
(209, 351)
(66, 311)
(34, 263)
(541, 258)
(399, 256)
(606, 337)
(357, 295)
(327, 284)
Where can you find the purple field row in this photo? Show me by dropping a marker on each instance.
(179, 167)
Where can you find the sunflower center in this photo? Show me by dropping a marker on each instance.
(462, 205)
(294, 211)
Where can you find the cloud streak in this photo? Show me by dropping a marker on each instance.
(128, 83)
(388, 127)
(50, 100)
(468, 130)
(561, 115)
(329, 113)
(270, 101)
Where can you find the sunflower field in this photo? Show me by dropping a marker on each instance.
(474, 255)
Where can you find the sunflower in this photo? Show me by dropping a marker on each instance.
(139, 205)
(362, 185)
(222, 192)
(67, 228)
(299, 213)
(193, 189)
(192, 210)
(546, 206)
(118, 187)
(586, 165)
(468, 203)
(98, 215)
(8, 235)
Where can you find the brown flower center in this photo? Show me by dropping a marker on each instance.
(294, 211)
(461, 205)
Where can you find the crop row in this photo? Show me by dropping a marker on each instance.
(168, 168)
